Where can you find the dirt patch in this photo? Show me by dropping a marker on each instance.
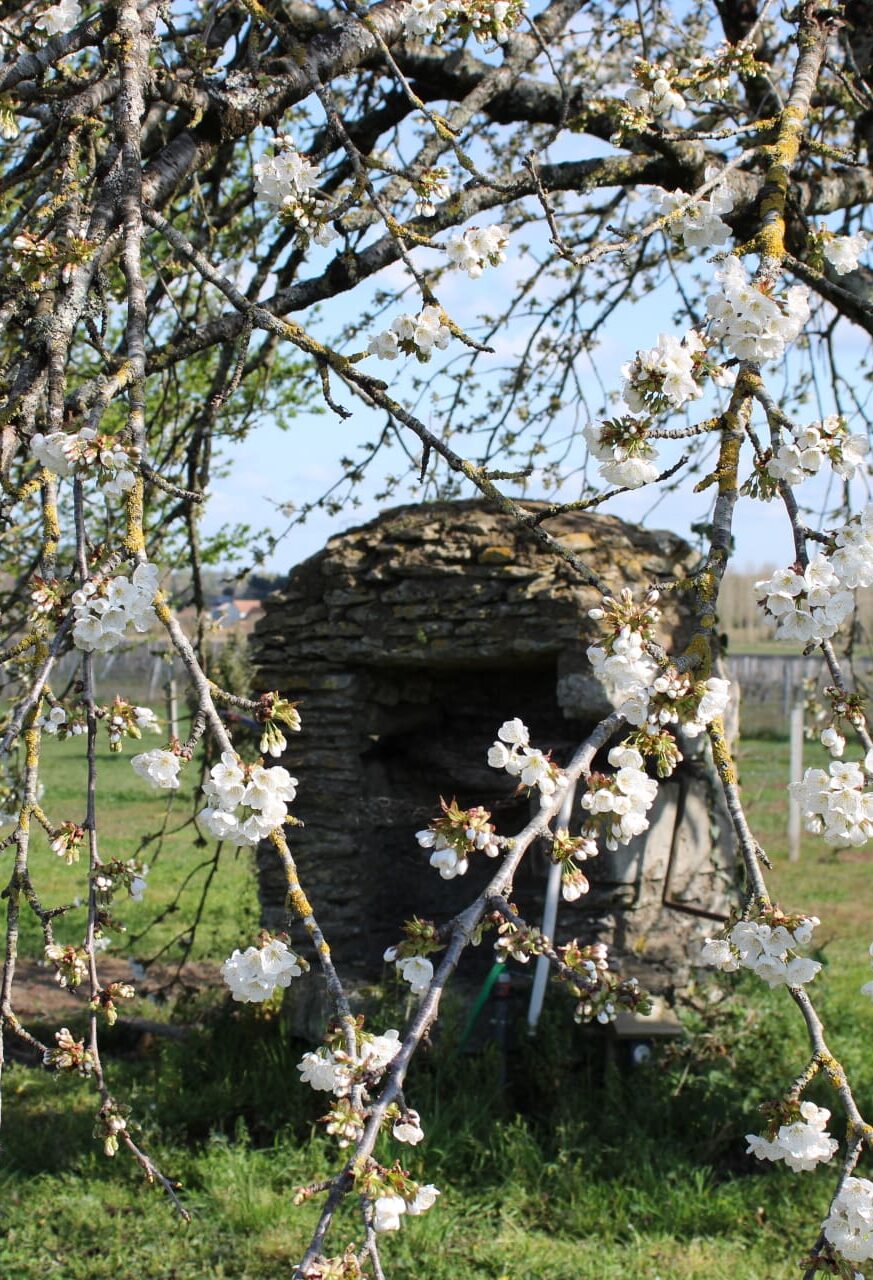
(39, 1000)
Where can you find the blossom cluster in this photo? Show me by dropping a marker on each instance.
(120, 874)
(810, 605)
(670, 374)
(125, 720)
(568, 851)
(71, 963)
(625, 454)
(700, 224)
(253, 975)
(286, 181)
(752, 324)
(849, 1225)
(802, 1144)
(67, 841)
(387, 1210)
(65, 454)
(766, 948)
(853, 559)
(621, 660)
(486, 20)
(455, 836)
(413, 335)
(57, 724)
(675, 698)
(834, 804)
(666, 376)
(104, 617)
(519, 941)
(274, 710)
(654, 93)
(600, 993)
(335, 1070)
(70, 1054)
(478, 247)
(431, 186)
(532, 767)
(105, 1002)
(810, 446)
(265, 792)
(617, 804)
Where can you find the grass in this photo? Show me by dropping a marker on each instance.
(126, 808)
(567, 1169)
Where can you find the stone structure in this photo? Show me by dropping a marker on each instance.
(409, 641)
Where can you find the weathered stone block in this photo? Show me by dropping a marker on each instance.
(410, 640)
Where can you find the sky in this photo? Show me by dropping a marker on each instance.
(298, 463)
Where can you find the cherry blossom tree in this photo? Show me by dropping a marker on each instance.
(220, 214)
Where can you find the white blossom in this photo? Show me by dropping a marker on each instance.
(425, 1198)
(286, 180)
(756, 945)
(138, 885)
(849, 1225)
(160, 768)
(478, 247)
(423, 17)
(318, 1070)
(628, 460)
(802, 1145)
(809, 447)
(700, 224)
(754, 325)
(417, 971)
(627, 672)
(620, 803)
(843, 252)
(387, 1211)
(226, 783)
(60, 18)
(103, 621)
(531, 766)
(54, 451)
(834, 804)
(807, 606)
(408, 1128)
(853, 559)
(146, 720)
(254, 974)
(413, 334)
(51, 723)
(653, 94)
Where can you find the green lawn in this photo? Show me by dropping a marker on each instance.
(567, 1170)
(135, 821)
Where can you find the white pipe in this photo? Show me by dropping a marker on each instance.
(550, 917)
(795, 775)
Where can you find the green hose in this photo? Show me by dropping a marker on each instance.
(480, 1002)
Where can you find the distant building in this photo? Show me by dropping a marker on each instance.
(229, 612)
